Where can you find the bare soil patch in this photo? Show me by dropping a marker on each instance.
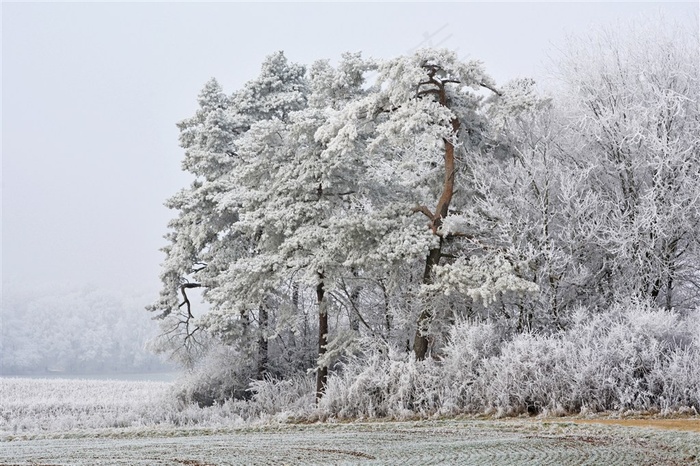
(687, 424)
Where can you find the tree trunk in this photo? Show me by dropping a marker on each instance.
(295, 296)
(420, 342)
(322, 371)
(262, 343)
(355, 306)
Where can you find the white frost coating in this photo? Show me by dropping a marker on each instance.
(482, 278)
(325, 185)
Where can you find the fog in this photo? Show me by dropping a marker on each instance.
(91, 94)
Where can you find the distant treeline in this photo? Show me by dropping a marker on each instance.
(86, 331)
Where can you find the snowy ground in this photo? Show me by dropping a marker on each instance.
(487, 442)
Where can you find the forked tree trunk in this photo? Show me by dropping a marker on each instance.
(322, 371)
(420, 342)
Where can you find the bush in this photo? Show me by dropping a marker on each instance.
(294, 396)
(631, 357)
(224, 373)
(383, 383)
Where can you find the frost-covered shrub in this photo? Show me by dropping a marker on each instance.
(470, 343)
(383, 383)
(224, 373)
(626, 357)
(526, 376)
(294, 395)
(631, 357)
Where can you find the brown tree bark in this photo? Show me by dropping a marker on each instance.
(322, 371)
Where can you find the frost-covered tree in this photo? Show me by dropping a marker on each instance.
(203, 241)
(424, 123)
(279, 91)
(310, 184)
(596, 193)
(534, 201)
(344, 218)
(634, 101)
(291, 190)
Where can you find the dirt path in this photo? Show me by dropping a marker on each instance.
(474, 442)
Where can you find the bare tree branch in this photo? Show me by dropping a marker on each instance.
(491, 88)
(423, 209)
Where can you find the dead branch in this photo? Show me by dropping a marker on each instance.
(491, 88)
(186, 301)
(424, 210)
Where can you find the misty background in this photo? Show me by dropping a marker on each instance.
(90, 97)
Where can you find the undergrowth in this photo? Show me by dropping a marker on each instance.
(627, 359)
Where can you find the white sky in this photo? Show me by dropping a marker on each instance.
(91, 94)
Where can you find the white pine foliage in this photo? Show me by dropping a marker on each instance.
(483, 278)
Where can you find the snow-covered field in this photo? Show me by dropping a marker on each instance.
(134, 423)
(48, 405)
(42, 406)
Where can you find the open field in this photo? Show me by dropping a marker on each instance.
(487, 442)
(80, 422)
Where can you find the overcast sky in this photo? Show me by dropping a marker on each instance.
(91, 94)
